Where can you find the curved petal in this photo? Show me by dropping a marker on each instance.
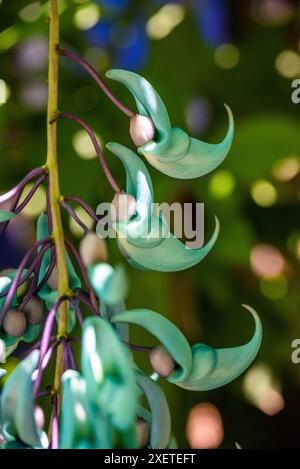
(160, 413)
(148, 102)
(168, 334)
(213, 368)
(106, 366)
(172, 151)
(143, 229)
(110, 283)
(2, 372)
(170, 255)
(79, 427)
(17, 405)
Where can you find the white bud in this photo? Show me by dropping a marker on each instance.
(14, 323)
(161, 361)
(123, 207)
(141, 130)
(34, 311)
(143, 429)
(39, 417)
(93, 249)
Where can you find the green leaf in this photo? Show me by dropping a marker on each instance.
(160, 414)
(173, 151)
(213, 368)
(168, 334)
(17, 404)
(6, 216)
(106, 366)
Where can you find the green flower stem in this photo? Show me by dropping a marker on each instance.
(54, 193)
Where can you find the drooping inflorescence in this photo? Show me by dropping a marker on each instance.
(97, 402)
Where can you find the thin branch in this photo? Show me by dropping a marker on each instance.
(79, 60)
(95, 142)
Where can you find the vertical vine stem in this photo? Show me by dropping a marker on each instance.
(54, 187)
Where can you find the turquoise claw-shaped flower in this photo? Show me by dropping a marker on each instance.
(146, 237)
(17, 406)
(107, 367)
(99, 405)
(201, 367)
(111, 286)
(83, 425)
(172, 151)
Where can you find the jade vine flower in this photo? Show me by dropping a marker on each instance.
(201, 367)
(146, 238)
(17, 406)
(172, 151)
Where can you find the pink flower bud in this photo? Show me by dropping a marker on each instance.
(141, 130)
(93, 249)
(52, 281)
(123, 207)
(142, 433)
(39, 417)
(34, 311)
(161, 361)
(14, 323)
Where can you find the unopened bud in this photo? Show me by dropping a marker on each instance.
(141, 130)
(143, 429)
(93, 249)
(39, 417)
(34, 311)
(123, 207)
(161, 361)
(14, 323)
(52, 281)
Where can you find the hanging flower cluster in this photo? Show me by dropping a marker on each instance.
(97, 404)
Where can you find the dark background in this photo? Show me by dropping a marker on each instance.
(245, 54)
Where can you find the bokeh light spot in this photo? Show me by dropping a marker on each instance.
(84, 217)
(262, 390)
(286, 169)
(205, 427)
(8, 38)
(288, 64)
(274, 288)
(272, 12)
(83, 145)
(227, 56)
(222, 184)
(87, 16)
(264, 193)
(37, 203)
(31, 12)
(4, 92)
(164, 21)
(97, 57)
(266, 261)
